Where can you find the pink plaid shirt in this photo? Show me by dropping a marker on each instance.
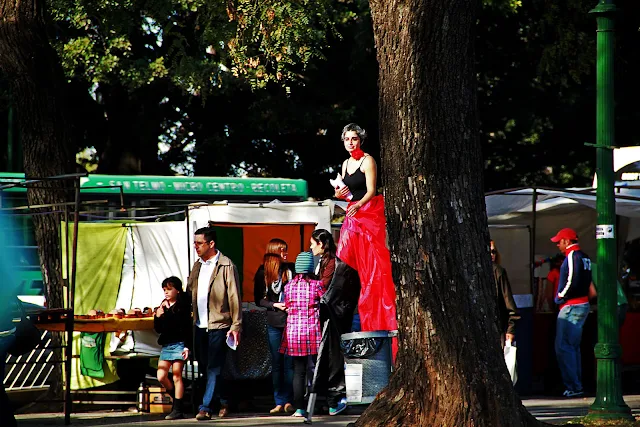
(302, 334)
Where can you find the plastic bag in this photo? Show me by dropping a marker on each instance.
(338, 184)
(361, 347)
(510, 361)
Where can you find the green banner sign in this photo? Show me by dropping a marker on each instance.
(183, 185)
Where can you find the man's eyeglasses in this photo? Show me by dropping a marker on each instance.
(494, 251)
(200, 243)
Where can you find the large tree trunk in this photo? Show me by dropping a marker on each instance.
(37, 81)
(449, 368)
(37, 90)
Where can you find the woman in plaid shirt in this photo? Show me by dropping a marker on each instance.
(302, 334)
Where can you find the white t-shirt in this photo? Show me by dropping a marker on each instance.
(206, 271)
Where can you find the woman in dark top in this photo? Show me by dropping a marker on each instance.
(268, 291)
(172, 321)
(342, 288)
(362, 243)
(322, 245)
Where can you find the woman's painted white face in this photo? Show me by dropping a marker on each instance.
(351, 141)
(316, 247)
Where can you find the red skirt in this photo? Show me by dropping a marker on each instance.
(363, 247)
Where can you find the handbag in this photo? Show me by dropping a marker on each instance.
(27, 335)
(510, 361)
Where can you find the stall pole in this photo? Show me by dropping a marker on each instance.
(66, 250)
(71, 311)
(534, 217)
(186, 216)
(193, 330)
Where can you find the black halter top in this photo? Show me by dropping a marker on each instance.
(356, 182)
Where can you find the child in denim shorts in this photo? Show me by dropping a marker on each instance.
(172, 321)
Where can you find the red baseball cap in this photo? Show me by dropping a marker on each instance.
(565, 233)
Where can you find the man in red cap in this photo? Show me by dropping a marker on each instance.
(573, 298)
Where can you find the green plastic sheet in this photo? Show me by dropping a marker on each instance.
(99, 269)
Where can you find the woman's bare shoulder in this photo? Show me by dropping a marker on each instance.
(368, 161)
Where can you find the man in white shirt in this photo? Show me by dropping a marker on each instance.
(217, 313)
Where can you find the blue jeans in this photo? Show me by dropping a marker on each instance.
(568, 336)
(6, 411)
(281, 368)
(211, 351)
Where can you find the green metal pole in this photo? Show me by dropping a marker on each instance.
(609, 403)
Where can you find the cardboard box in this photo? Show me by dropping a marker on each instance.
(159, 401)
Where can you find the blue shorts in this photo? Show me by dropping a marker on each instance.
(172, 351)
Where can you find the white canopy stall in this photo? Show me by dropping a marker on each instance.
(542, 212)
(158, 250)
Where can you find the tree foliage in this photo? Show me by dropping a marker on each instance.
(536, 69)
(240, 87)
(189, 42)
(167, 72)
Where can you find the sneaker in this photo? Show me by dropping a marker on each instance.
(341, 407)
(203, 416)
(289, 409)
(571, 393)
(300, 413)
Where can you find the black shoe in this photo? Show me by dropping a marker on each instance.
(174, 415)
(177, 412)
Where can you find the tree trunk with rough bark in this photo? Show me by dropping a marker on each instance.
(449, 367)
(37, 90)
(36, 80)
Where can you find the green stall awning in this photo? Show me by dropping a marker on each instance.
(189, 186)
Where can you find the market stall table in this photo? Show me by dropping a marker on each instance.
(107, 324)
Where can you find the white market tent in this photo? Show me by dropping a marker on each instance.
(158, 250)
(152, 251)
(523, 220)
(263, 213)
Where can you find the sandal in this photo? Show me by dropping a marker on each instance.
(277, 410)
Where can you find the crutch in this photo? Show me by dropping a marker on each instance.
(313, 394)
